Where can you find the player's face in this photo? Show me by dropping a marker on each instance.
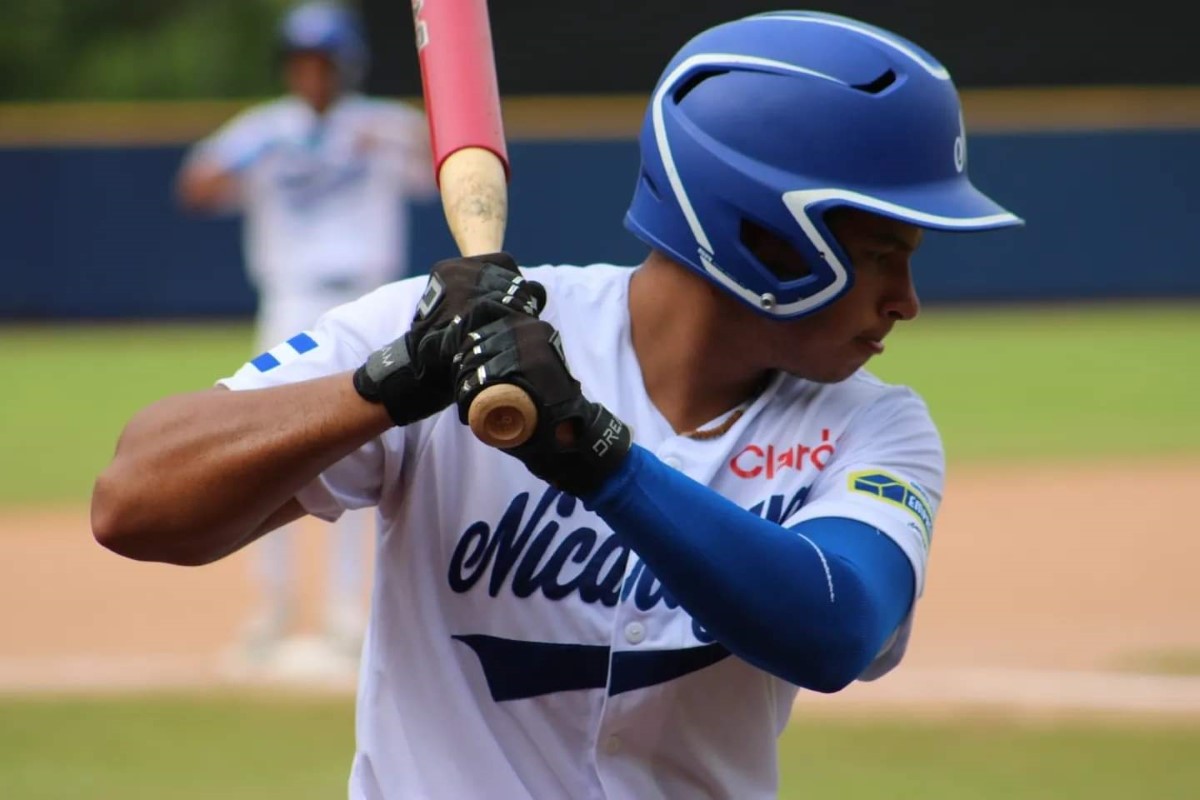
(833, 343)
(312, 77)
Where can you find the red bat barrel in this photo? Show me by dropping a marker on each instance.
(458, 78)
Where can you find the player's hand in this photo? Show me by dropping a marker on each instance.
(577, 444)
(413, 377)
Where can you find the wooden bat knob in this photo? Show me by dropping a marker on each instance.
(502, 416)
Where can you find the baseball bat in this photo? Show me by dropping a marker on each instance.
(462, 106)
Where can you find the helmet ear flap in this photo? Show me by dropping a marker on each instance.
(773, 252)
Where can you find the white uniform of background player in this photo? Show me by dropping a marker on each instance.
(480, 565)
(323, 176)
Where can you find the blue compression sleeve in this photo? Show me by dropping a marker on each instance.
(812, 604)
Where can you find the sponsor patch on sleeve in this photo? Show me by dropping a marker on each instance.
(890, 489)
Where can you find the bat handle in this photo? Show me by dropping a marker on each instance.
(473, 184)
(502, 416)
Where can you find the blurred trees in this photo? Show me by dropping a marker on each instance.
(137, 49)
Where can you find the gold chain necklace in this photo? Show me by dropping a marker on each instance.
(716, 430)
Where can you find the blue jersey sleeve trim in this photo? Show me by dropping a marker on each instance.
(265, 362)
(302, 343)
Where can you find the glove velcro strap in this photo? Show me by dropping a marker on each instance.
(594, 445)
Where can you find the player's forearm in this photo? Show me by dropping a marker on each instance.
(206, 188)
(813, 606)
(195, 475)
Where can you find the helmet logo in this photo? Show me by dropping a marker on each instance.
(960, 145)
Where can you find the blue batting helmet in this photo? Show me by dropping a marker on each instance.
(772, 120)
(328, 28)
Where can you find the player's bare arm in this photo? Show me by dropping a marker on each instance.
(212, 182)
(207, 187)
(197, 476)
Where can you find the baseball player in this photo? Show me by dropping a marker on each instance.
(323, 175)
(718, 505)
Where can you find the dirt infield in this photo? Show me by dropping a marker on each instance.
(1037, 575)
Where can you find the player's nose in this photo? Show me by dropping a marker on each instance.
(900, 300)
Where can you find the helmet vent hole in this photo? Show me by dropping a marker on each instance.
(651, 186)
(685, 88)
(878, 85)
(774, 252)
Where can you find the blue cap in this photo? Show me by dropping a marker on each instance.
(328, 28)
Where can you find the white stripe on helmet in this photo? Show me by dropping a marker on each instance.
(932, 67)
(669, 85)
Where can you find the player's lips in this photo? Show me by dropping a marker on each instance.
(874, 344)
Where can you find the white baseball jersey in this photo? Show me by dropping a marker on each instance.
(323, 194)
(516, 648)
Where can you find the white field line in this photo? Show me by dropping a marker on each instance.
(1020, 690)
(101, 672)
(1003, 689)
(300, 663)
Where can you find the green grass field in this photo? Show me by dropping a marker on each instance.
(245, 748)
(1082, 382)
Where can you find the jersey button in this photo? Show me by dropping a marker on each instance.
(612, 745)
(673, 462)
(635, 632)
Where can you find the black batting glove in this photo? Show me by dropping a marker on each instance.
(576, 444)
(413, 377)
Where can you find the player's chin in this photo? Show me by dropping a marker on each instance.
(833, 368)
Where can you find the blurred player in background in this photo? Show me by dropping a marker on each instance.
(323, 176)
